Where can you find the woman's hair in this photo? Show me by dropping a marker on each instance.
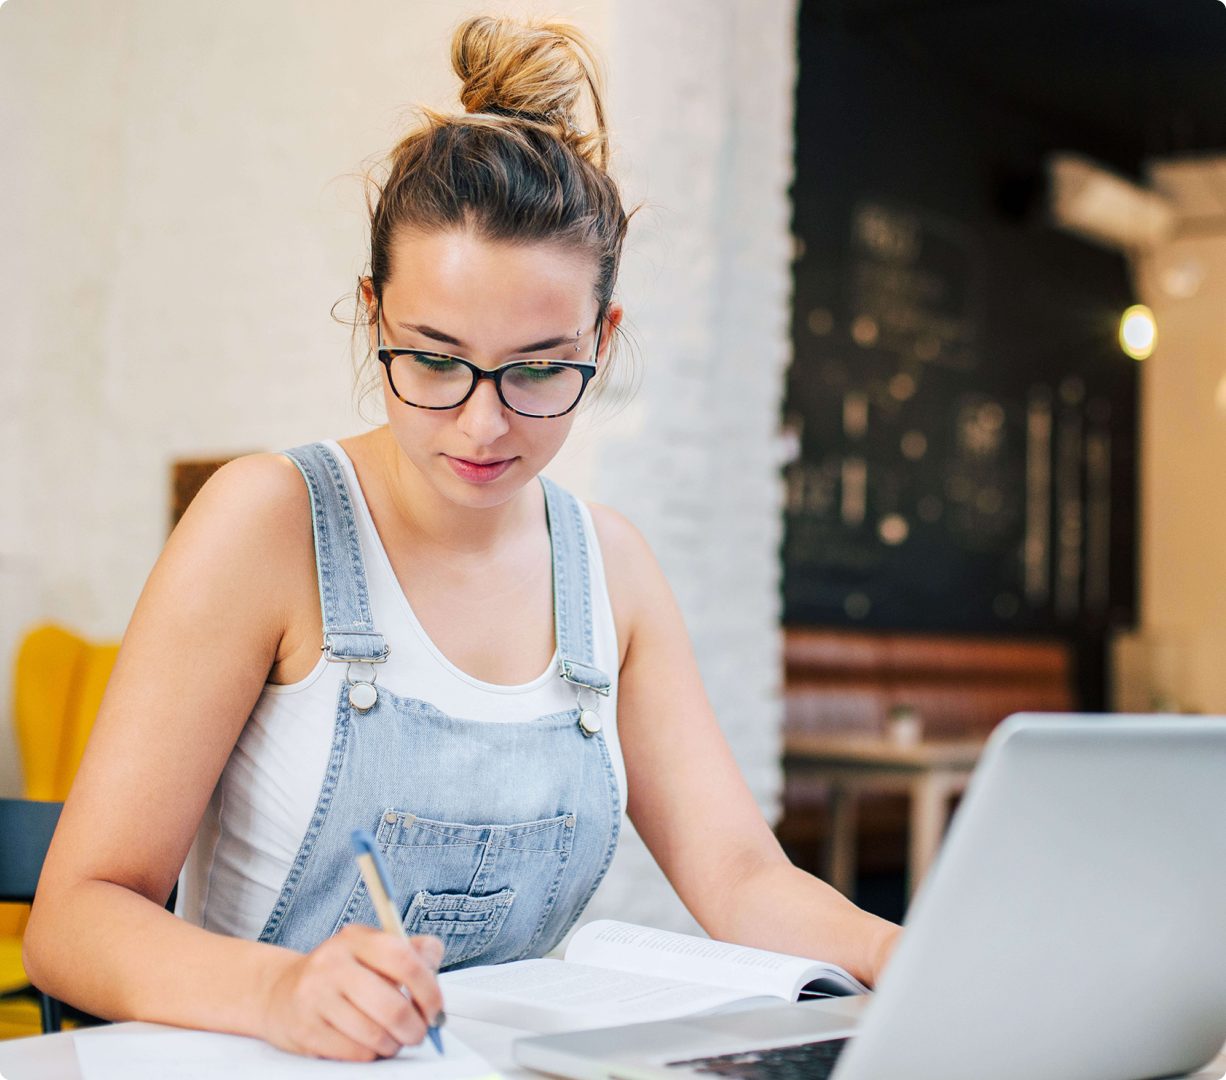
(518, 165)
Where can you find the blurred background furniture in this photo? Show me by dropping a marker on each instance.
(26, 827)
(842, 685)
(927, 773)
(59, 680)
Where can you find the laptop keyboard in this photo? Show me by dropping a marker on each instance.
(806, 1061)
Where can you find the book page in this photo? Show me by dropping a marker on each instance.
(626, 947)
(554, 995)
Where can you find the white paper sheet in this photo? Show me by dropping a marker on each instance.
(202, 1055)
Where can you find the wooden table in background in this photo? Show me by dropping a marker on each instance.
(929, 772)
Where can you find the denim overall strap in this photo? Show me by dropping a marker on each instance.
(572, 592)
(349, 632)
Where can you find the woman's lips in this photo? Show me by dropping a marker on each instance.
(478, 472)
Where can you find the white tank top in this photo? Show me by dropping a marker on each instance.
(261, 808)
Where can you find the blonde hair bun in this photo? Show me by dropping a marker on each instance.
(532, 72)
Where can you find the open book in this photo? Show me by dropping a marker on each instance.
(617, 973)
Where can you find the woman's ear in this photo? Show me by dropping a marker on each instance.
(612, 320)
(367, 288)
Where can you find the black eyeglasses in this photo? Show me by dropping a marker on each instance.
(537, 388)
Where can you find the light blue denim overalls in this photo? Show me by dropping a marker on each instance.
(496, 833)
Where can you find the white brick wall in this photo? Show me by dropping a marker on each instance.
(177, 218)
(702, 105)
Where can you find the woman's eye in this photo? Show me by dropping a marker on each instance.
(436, 364)
(539, 372)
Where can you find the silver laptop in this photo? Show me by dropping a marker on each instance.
(1072, 928)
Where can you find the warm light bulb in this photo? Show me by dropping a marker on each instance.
(1138, 332)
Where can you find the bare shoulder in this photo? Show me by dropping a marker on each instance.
(250, 525)
(261, 489)
(615, 530)
(624, 549)
(637, 586)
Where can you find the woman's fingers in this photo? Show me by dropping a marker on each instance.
(352, 1022)
(429, 948)
(385, 1005)
(411, 964)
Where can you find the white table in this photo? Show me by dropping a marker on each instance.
(52, 1057)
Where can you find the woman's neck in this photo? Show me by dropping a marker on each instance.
(433, 520)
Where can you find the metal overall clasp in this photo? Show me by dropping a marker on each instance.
(347, 647)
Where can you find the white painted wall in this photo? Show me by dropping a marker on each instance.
(1178, 654)
(179, 210)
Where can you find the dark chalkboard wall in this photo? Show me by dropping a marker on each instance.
(966, 419)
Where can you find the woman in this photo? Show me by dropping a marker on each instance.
(504, 671)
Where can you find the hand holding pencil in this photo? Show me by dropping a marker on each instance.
(362, 994)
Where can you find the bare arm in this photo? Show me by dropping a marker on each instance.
(210, 625)
(688, 799)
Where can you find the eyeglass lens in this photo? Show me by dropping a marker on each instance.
(438, 382)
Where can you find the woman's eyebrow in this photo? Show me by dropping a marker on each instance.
(430, 332)
(440, 335)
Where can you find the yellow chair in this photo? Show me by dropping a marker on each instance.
(20, 1017)
(59, 680)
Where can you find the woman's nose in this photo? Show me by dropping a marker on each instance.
(483, 417)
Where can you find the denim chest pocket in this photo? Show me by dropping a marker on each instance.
(485, 890)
